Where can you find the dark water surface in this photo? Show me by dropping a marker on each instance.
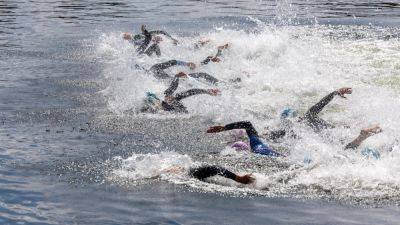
(54, 157)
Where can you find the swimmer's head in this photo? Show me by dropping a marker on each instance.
(152, 98)
(288, 113)
(370, 152)
(240, 146)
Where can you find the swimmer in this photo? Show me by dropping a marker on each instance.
(158, 70)
(215, 58)
(310, 118)
(256, 145)
(143, 41)
(173, 102)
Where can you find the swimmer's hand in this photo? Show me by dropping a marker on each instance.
(191, 65)
(245, 179)
(181, 75)
(222, 47)
(127, 36)
(367, 132)
(213, 92)
(215, 59)
(215, 129)
(343, 91)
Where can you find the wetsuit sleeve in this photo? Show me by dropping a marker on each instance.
(204, 172)
(145, 43)
(205, 76)
(163, 33)
(173, 86)
(250, 130)
(164, 65)
(317, 108)
(189, 93)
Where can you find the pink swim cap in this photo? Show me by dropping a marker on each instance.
(240, 146)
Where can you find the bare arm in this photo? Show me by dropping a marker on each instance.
(174, 84)
(146, 41)
(364, 134)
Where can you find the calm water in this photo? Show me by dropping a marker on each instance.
(60, 133)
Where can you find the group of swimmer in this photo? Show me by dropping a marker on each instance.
(148, 43)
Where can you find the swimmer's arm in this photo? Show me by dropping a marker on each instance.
(195, 91)
(147, 39)
(164, 33)
(317, 108)
(275, 134)
(174, 84)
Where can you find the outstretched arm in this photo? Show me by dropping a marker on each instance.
(164, 33)
(364, 134)
(317, 108)
(164, 65)
(250, 130)
(204, 172)
(195, 91)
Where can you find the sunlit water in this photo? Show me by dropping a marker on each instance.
(75, 150)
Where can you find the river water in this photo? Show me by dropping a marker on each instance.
(76, 151)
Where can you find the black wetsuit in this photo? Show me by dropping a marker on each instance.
(155, 32)
(204, 172)
(143, 47)
(175, 105)
(311, 116)
(158, 71)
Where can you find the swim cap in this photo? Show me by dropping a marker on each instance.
(151, 97)
(240, 146)
(288, 112)
(368, 152)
